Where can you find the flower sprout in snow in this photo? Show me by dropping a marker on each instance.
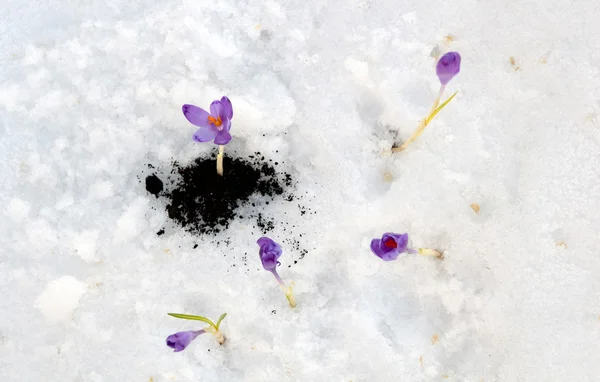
(391, 245)
(180, 340)
(447, 67)
(213, 126)
(269, 253)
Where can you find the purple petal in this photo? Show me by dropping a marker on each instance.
(216, 109)
(390, 246)
(264, 241)
(226, 125)
(383, 252)
(196, 115)
(269, 253)
(400, 239)
(448, 66)
(226, 108)
(223, 138)
(179, 341)
(206, 134)
(269, 261)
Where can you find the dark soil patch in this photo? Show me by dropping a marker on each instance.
(203, 202)
(154, 185)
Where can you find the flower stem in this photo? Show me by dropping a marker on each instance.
(290, 297)
(217, 333)
(219, 336)
(286, 290)
(430, 252)
(423, 124)
(220, 160)
(279, 280)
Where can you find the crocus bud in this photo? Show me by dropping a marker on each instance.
(447, 67)
(181, 340)
(269, 253)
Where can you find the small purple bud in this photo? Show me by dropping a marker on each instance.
(269, 253)
(181, 340)
(448, 66)
(390, 246)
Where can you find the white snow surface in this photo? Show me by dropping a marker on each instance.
(91, 91)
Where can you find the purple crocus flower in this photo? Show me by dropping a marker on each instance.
(214, 125)
(447, 67)
(390, 246)
(181, 340)
(269, 253)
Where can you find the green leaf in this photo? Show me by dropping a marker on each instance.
(192, 317)
(434, 113)
(220, 319)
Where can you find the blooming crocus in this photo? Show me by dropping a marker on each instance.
(180, 340)
(269, 253)
(213, 126)
(447, 67)
(391, 245)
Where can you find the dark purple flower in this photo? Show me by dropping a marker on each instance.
(181, 340)
(448, 66)
(214, 125)
(269, 253)
(390, 246)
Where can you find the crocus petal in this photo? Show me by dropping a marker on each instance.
(216, 109)
(206, 134)
(448, 66)
(390, 246)
(402, 242)
(269, 253)
(269, 261)
(383, 252)
(179, 341)
(264, 241)
(226, 108)
(226, 125)
(197, 116)
(223, 138)
(400, 239)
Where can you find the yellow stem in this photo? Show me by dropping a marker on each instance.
(435, 109)
(289, 295)
(220, 160)
(217, 333)
(430, 252)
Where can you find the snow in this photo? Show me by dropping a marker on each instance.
(91, 92)
(60, 298)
